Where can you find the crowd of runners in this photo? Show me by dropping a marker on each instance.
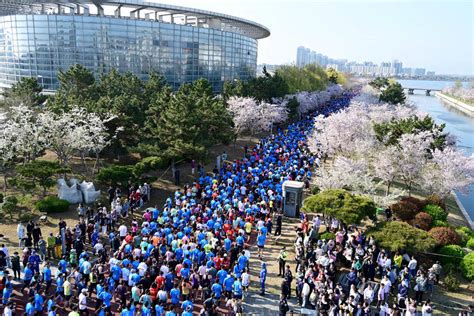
(191, 255)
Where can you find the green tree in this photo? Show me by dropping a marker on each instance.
(187, 123)
(116, 175)
(379, 83)
(393, 94)
(390, 132)
(458, 84)
(38, 172)
(27, 91)
(347, 207)
(402, 236)
(309, 78)
(292, 107)
(10, 205)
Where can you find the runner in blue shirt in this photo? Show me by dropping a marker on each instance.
(47, 276)
(237, 289)
(30, 307)
(261, 238)
(217, 289)
(39, 301)
(175, 294)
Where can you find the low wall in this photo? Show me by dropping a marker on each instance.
(461, 106)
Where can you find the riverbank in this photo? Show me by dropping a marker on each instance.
(461, 106)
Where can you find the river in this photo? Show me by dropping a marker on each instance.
(457, 123)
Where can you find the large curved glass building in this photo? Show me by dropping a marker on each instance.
(38, 37)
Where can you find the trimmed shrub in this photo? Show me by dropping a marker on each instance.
(468, 231)
(52, 204)
(467, 266)
(116, 175)
(454, 251)
(423, 221)
(396, 236)
(445, 236)
(419, 203)
(438, 223)
(451, 282)
(470, 244)
(327, 236)
(464, 237)
(435, 199)
(404, 210)
(149, 164)
(436, 212)
(345, 206)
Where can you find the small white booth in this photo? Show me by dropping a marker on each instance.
(292, 197)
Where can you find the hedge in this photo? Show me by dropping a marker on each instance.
(445, 236)
(436, 212)
(52, 204)
(453, 251)
(470, 244)
(423, 221)
(467, 266)
(404, 210)
(463, 235)
(438, 223)
(397, 236)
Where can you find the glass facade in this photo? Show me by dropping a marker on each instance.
(39, 45)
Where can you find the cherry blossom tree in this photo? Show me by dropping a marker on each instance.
(448, 170)
(21, 135)
(412, 156)
(347, 173)
(250, 115)
(72, 132)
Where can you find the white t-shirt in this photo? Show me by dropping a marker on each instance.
(123, 230)
(82, 301)
(412, 264)
(245, 279)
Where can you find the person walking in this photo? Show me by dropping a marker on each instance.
(278, 225)
(263, 278)
(283, 305)
(282, 261)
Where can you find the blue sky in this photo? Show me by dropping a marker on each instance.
(436, 35)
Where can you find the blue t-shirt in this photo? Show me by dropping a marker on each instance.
(217, 289)
(47, 274)
(159, 310)
(30, 309)
(106, 297)
(237, 288)
(228, 283)
(261, 240)
(38, 302)
(175, 294)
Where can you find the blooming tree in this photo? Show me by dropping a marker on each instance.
(21, 135)
(75, 131)
(347, 173)
(249, 115)
(448, 170)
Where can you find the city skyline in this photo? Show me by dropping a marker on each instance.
(436, 35)
(306, 56)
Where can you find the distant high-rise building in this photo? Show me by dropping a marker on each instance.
(305, 56)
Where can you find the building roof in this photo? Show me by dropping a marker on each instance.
(138, 9)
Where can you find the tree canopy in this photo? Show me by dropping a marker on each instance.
(27, 91)
(347, 207)
(38, 172)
